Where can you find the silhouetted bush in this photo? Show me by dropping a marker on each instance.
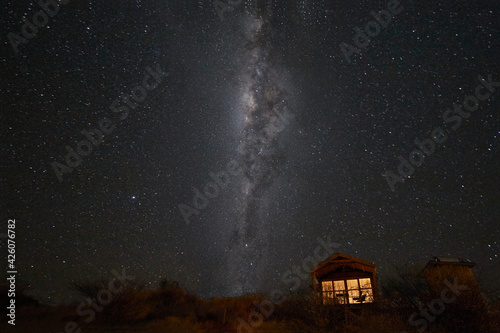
(171, 306)
(22, 298)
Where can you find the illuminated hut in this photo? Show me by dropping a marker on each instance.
(342, 279)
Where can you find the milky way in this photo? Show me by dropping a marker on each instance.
(270, 88)
(265, 114)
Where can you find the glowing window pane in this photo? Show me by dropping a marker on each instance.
(341, 297)
(369, 296)
(354, 297)
(365, 283)
(352, 284)
(339, 285)
(327, 286)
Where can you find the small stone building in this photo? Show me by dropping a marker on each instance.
(439, 270)
(342, 279)
(455, 295)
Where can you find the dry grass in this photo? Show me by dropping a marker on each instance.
(171, 309)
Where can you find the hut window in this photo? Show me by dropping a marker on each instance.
(365, 291)
(351, 291)
(327, 288)
(353, 287)
(365, 286)
(340, 291)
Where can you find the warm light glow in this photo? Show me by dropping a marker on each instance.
(352, 291)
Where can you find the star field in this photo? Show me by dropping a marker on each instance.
(311, 131)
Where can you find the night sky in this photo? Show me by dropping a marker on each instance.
(219, 146)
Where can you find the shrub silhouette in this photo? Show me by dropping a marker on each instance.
(21, 295)
(173, 307)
